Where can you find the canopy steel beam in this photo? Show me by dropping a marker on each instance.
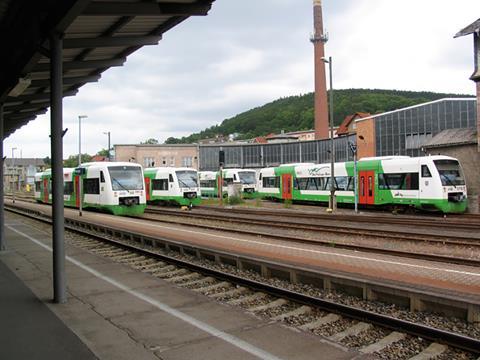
(105, 41)
(92, 64)
(66, 81)
(25, 107)
(199, 8)
(40, 96)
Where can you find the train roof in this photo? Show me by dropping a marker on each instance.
(109, 164)
(170, 168)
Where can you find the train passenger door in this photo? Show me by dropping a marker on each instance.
(45, 190)
(287, 186)
(77, 191)
(147, 188)
(366, 187)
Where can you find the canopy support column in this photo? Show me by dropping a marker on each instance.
(56, 120)
(2, 202)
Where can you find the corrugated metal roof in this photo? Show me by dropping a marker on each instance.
(97, 35)
(452, 137)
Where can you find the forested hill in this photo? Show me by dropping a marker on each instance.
(296, 112)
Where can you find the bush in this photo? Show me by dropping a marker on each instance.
(235, 200)
(287, 204)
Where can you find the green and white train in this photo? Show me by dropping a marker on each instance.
(209, 181)
(433, 183)
(168, 185)
(113, 187)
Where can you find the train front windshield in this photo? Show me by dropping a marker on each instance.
(187, 179)
(246, 177)
(126, 177)
(450, 172)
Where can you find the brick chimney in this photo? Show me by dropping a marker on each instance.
(319, 38)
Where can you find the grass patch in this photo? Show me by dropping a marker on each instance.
(287, 204)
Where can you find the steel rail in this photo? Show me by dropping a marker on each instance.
(430, 333)
(457, 220)
(385, 233)
(297, 239)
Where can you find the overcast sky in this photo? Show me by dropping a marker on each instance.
(246, 53)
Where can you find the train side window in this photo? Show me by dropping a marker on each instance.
(362, 186)
(160, 184)
(370, 186)
(260, 177)
(68, 187)
(38, 186)
(234, 177)
(170, 177)
(91, 186)
(426, 171)
(102, 177)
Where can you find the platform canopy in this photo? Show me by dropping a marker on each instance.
(97, 35)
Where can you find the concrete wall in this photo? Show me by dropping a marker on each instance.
(469, 157)
(158, 155)
(478, 115)
(366, 129)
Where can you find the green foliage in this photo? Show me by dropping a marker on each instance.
(103, 152)
(47, 161)
(235, 200)
(295, 113)
(72, 160)
(150, 141)
(287, 204)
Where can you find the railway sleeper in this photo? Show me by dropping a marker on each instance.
(199, 283)
(183, 277)
(388, 340)
(431, 352)
(172, 273)
(160, 269)
(244, 299)
(351, 331)
(327, 319)
(223, 284)
(270, 305)
(298, 311)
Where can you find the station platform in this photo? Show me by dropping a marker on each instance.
(116, 312)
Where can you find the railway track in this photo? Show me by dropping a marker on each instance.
(458, 221)
(248, 222)
(366, 331)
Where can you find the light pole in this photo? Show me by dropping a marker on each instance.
(332, 203)
(80, 117)
(353, 148)
(108, 133)
(13, 176)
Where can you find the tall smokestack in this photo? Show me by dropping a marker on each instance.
(319, 38)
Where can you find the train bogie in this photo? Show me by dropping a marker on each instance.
(172, 185)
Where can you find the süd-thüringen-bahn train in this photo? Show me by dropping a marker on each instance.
(114, 187)
(429, 183)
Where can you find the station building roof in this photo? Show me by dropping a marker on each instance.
(98, 34)
(452, 137)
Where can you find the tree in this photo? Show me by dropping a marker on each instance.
(103, 152)
(47, 160)
(150, 141)
(72, 160)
